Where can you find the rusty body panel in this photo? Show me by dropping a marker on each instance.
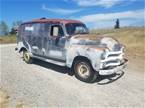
(94, 55)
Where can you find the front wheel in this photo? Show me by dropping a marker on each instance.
(84, 71)
(27, 58)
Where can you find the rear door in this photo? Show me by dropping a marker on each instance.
(26, 35)
(37, 38)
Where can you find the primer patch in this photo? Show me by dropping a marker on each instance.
(55, 53)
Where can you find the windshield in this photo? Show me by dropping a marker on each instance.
(76, 28)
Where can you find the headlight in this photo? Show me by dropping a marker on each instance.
(103, 55)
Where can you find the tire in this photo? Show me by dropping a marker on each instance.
(27, 58)
(84, 71)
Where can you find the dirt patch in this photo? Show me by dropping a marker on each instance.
(5, 101)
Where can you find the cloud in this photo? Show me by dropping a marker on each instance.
(138, 14)
(110, 24)
(60, 10)
(102, 3)
(108, 19)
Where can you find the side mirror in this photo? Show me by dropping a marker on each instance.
(68, 37)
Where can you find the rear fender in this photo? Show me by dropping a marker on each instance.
(22, 47)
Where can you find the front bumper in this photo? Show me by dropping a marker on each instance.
(112, 70)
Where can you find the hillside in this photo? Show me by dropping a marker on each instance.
(132, 38)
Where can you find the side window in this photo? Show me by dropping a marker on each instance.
(27, 32)
(56, 30)
(79, 29)
(28, 29)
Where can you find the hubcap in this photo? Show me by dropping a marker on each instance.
(26, 56)
(83, 70)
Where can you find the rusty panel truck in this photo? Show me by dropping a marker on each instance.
(69, 43)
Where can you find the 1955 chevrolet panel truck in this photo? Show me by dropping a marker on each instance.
(68, 43)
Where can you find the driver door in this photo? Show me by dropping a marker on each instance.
(57, 42)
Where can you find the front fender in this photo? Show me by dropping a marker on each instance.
(92, 54)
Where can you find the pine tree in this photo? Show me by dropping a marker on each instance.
(4, 30)
(15, 26)
(117, 25)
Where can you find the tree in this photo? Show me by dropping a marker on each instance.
(117, 25)
(13, 31)
(4, 30)
(15, 26)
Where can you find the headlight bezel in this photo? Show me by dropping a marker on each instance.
(104, 53)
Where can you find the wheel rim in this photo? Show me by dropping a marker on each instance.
(26, 56)
(83, 70)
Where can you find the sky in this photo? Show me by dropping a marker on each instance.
(94, 13)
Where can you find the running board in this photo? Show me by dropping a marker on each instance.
(51, 61)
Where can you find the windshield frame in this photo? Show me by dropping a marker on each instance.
(81, 24)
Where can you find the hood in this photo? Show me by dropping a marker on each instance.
(97, 41)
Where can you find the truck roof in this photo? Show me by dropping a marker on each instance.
(44, 20)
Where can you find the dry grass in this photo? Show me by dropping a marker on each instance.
(132, 38)
(4, 99)
(7, 39)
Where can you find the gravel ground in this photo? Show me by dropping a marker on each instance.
(45, 85)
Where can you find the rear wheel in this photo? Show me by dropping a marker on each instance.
(84, 71)
(27, 58)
